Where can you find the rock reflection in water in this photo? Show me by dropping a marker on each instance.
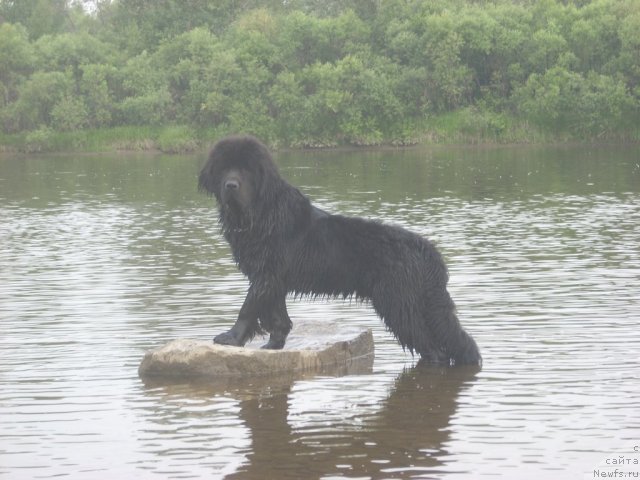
(407, 433)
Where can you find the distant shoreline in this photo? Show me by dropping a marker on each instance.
(186, 140)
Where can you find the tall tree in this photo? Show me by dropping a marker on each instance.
(39, 17)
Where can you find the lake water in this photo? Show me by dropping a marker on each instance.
(105, 257)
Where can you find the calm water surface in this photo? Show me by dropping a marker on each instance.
(102, 258)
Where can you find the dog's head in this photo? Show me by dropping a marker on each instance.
(240, 173)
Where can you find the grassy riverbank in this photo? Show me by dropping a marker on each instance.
(170, 139)
(467, 126)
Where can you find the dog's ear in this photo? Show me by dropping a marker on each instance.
(207, 180)
(258, 161)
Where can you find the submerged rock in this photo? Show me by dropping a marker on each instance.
(327, 348)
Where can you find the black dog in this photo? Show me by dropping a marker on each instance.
(284, 244)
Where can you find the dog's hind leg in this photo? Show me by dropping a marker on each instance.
(427, 324)
(454, 345)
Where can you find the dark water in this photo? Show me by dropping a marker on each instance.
(102, 258)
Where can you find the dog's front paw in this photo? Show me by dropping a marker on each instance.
(227, 338)
(274, 344)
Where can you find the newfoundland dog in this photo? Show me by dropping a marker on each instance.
(284, 244)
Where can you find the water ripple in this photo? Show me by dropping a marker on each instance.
(111, 262)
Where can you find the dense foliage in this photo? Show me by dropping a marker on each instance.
(318, 72)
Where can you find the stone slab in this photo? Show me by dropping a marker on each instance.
(311, 347)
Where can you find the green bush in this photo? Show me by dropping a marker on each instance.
(69, 114)
(37, 141)
(321, 73)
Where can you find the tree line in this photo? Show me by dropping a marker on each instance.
(323, 72)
